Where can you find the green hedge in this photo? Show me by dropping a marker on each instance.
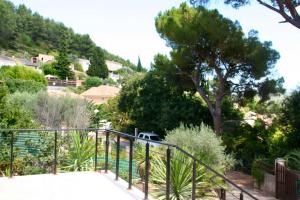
(23, 73)
(29, 86)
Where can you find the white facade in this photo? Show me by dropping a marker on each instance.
(114, 76)
(42, 58)
(6, 61)
(113, 66)
(84, 63)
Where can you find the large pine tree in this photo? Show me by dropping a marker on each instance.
(98, 67)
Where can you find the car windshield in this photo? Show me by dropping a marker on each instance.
(155, 138)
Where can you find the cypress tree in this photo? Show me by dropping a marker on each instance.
(62, 61)
(98, 67)
(139, 67)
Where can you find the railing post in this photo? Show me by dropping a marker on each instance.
(117, 157)
(96, 151)
(55, 153)
(168, 174)
(241, 196)
(223, 194)
(106, 151)
(11, 168)
(194, 180)
(136, 132)
(130, 163)
(147, 165)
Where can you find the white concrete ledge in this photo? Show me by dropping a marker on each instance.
(65, 186)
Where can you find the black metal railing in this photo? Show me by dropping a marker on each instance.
(132, 139)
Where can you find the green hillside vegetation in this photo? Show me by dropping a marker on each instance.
(27, 33)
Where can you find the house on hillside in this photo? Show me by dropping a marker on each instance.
(27, 63)
(101, 94)
(7, 61)
(42, 58)
(12, 61)
(84, 63)
(113, 68)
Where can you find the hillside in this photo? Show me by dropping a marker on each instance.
(26, 33)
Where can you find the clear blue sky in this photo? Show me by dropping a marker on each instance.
(126, 28)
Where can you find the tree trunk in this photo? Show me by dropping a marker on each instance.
(217, 124)
(217, 117)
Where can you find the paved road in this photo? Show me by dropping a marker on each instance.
(246, 182)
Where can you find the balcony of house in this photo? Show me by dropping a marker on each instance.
(80, 164)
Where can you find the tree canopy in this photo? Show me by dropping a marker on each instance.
(287, 9)
(139, 66)
(214, 56)
(98, 67)
(152, 104)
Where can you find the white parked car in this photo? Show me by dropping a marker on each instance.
(149, 136)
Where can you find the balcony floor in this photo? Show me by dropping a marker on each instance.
(74, 185)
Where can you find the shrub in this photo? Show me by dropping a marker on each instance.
(92, 82)
(22, 99)
(23, 73)
(48, 69)
(203, 143)
(293, 160)
(55, 112)
(248, 143)
(78, 67)
(257, 173)
(19, 85)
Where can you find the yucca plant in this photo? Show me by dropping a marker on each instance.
(181, 177)
(80, 155)
(139, 157)
(6, 172)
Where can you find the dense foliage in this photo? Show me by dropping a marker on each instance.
(98, 67)
(152, 104)
(61, 66)
(248, 143)
(215, 57)
(54, 112)
(22, 31)
(293, 160)
(290, 119)
(18, 85)
(203, 143)
(11, 115)
(20, 72)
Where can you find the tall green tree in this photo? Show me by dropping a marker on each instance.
(214, 55)
(7, 24)
(290, 119)
(152, 104)
(287, 8)
(98, 67)
(61, 66)
(139, 66)
(62, 63)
